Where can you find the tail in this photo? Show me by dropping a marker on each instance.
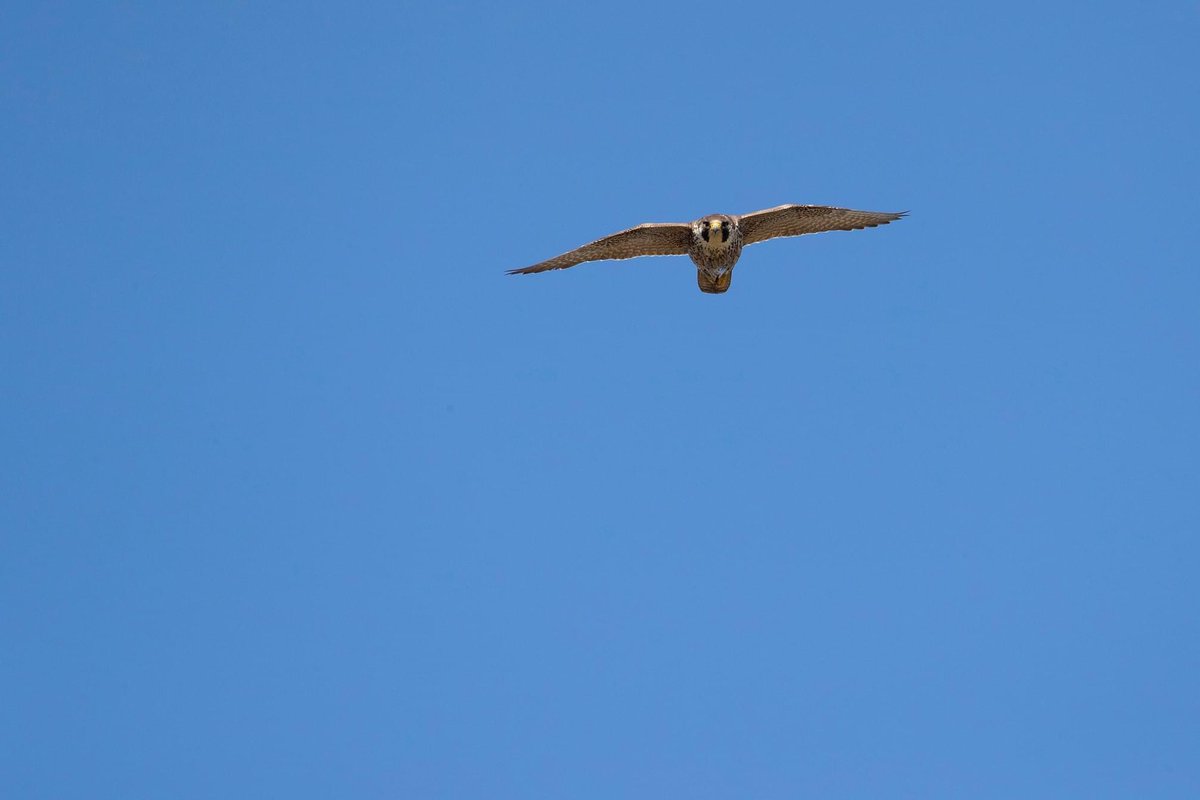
(711, 285)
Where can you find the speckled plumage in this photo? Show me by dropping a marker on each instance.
(715, 242)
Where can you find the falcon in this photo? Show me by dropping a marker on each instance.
(714, 243)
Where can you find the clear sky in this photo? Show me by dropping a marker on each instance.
(301, 496)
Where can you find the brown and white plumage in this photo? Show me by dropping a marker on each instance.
(715, 242)
(650, 239)
(794, 220)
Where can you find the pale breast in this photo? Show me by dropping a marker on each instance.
(714, 255)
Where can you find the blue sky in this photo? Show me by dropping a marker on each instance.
(301, 496)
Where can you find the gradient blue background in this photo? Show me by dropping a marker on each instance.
(301, 496)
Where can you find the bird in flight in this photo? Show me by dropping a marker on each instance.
(715, 242)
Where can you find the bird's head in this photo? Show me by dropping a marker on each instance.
(714, 230)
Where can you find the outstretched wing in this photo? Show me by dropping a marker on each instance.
(793, 220)
(651, 239)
